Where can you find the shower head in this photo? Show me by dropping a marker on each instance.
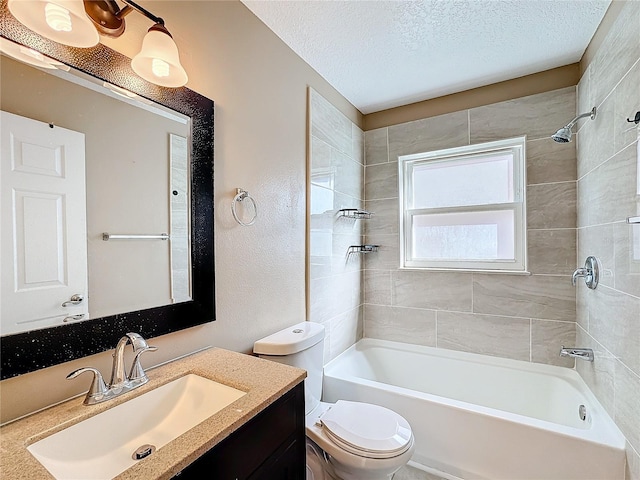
(564, 134)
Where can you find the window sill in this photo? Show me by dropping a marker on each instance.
(465, 270)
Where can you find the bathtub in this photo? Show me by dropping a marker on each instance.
(481, 417)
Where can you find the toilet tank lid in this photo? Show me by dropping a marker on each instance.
(290, 340)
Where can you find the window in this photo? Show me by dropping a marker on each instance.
(464, 208)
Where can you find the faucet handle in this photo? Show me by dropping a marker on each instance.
(137, 374)
(590, 272)
(98, 388)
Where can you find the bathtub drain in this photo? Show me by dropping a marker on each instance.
(582, 412)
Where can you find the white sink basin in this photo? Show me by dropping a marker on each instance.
(102, 446)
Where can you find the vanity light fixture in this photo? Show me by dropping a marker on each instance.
(63, 21)
(29, 56)
(78, 23)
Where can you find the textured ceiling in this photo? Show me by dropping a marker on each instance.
(383, 54)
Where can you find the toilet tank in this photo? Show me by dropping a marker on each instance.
(302, 346)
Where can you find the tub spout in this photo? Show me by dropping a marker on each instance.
(583, 353)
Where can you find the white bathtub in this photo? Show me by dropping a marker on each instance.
(480, 417)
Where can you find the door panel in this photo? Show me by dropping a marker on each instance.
(43, 244)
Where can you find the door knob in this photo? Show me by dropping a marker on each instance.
(74, 300)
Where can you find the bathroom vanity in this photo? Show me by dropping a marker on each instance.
(259, 435)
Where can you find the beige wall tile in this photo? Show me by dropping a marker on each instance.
(537, 116)
(333, 295)
(599, 375)
(582, 203)
(485, 334)
(551, 251)
(320, 161)
(385, 216)
(330, 125)
(548, 337)
(597, 241)
(399, 324)
(349, 175)
(534, 296)
(341, 224)
(551, 205)
(376, 148)
(611, 188)
(388, 255)
(337, 181)
(357, 149)
(432, 290)
(550, 162)
(377, 287)
(381, 181)
(626, 105)
(341, 200)
(633, 464)
(595, 141)
(614, 321)
(583, 97)
(582, 305)
(626, 244)
(627, 414)
(341, 261)
(346, 329)
(443, 131)
(617, 54)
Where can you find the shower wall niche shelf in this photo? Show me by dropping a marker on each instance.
(362, 249)
(354, 213)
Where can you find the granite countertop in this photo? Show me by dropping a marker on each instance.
(264, 382)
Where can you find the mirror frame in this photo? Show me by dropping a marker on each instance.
(30, 351)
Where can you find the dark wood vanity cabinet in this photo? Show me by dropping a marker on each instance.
(270, 446)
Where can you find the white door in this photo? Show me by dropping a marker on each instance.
(43, 240)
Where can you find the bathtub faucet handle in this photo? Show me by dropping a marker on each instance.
(589, 272)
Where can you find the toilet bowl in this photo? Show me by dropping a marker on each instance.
(345, 440)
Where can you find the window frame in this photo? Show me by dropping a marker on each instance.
(406, 163)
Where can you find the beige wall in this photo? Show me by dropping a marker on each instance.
(554, 79)
(525, 317)
(260, 89)
(608, 192)
(336, 174)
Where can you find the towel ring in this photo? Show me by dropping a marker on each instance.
(241, 195)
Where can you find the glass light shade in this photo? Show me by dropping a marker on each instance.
(158, 45)
(29, 56)
(31, 13)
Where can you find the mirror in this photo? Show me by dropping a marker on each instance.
(180, 308)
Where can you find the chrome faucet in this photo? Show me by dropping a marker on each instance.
(583, 353)
(590, 272)
(120, 382)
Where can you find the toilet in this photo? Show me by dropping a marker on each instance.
(345, 440)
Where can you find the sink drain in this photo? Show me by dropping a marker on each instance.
(143, 452)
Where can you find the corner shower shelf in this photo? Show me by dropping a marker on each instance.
(362, 249)
(354, 213)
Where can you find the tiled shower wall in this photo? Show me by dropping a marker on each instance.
(525, 317)
(336, 173)
(608, 192)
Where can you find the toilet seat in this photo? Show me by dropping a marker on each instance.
(366, 430)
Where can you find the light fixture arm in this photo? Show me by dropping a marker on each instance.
(108, 17)
(129, 5)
